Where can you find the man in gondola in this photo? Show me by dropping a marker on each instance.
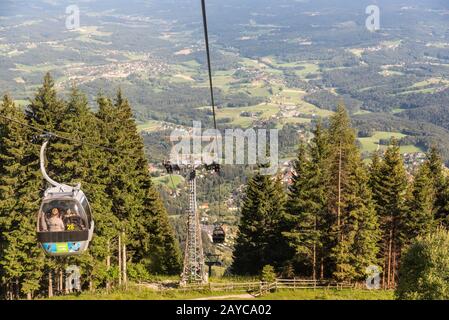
(55, 223)
(73, 222)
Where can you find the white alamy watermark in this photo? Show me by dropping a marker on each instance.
(373, 279)
(72, 281)
(373, 21)
(72, 21)
(245, 147)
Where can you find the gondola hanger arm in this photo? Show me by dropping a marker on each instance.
(43, 170)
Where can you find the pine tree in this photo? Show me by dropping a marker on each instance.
(440, 186)
(21, 260)
(260, 239)
(307, 204)
(359, 246)
(354, 225)
(389, 195)
(49, 113)
(342, 151)
(103, 152)
(374, 170)
(158, 247)
(419, 215)
(84, 162)
(46, 110)
(135, 202)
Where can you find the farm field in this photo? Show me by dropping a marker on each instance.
(371, 144)
(261, 112)
(149, 126)
(165, 180)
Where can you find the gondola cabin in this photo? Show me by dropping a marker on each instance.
(218, 235)
(65, 225)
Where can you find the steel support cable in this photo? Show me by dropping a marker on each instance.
(59, 136)
(212, 97)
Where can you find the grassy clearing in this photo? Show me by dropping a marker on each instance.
(136, 293)
(358, 52)
(266, 64)
(140, 293)
(293, 121)
(21, 103)
(222, 79)
(258, 90)
(228, 279)
(149, 126)
(331, 294)
(424, 90)
(397, 110)
(182, 78)
(192, 64)
(371, 144)
(93, 31)
(410, 149)
(45, 67)
(430, 85)
(309, 68)
(165, 180)
(305, 107)
(360, 112)
(251, 63)
(389, 73)
(266, 111)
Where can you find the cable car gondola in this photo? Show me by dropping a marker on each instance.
(65, 225)
(218, 235)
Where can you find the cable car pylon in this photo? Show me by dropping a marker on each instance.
(194, 267)
(194, 270)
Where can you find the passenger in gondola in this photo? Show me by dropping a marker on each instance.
(43, 224)
(73, 222)
(55, 223)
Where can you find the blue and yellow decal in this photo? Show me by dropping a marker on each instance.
(62, 247)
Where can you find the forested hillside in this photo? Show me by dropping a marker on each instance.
(361, 116)
(339, 215)
(101, 150)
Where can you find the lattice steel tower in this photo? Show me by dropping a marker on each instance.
(194, 270)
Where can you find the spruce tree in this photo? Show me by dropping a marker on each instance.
(389, 195)
(440, 185)
(135, 202)
(420, 212)
(354, 225)
(103, 152)
(260, 239)
(46, 110)
(83, 160)
(48, 113)
(307, 205)
(360, 235)
(342, 152)
(21, 260)
(374, 170)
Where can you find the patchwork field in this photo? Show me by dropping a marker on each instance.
(259, 112)
(371, 144)
(167, 181)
